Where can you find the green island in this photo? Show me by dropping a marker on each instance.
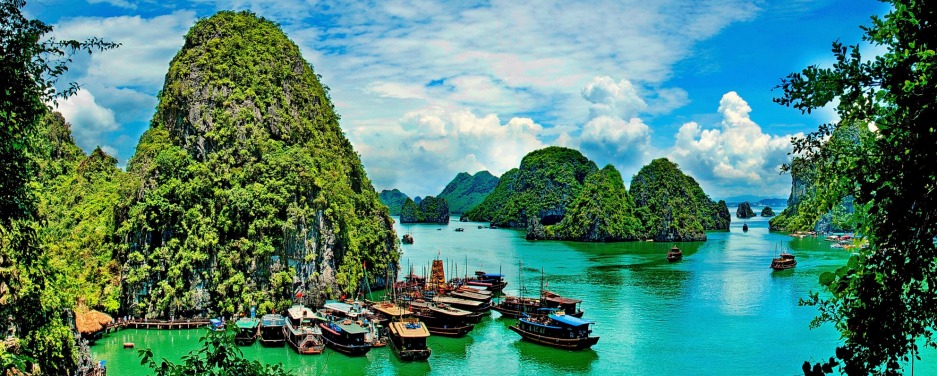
(429, 210)
(393, 199)
(466, 191)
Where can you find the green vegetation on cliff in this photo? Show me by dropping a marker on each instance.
(672, 205)
(603, 211)
(545, 183)
(245, 183)
(429, 210)
(466, 191)
(394, 200)
(767, 212)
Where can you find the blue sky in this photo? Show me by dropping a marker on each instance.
(429, 89)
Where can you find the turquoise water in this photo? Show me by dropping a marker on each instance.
(719, 311)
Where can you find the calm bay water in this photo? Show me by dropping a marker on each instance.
(719, 311)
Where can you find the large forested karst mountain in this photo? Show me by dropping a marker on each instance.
(466, 191)
(672, 205)
(394, 200)
(429, 210)
(603, 211)
(545, 183)
(249, 192)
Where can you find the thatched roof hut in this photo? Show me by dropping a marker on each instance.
(91, 321)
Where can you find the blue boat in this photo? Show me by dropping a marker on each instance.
(556, 330)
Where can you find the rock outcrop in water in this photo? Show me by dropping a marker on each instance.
(429, 210)
(767, 212)
(249, 193)
(744, 211)
(394, 200)
(672, 205)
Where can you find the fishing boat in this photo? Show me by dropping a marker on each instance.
(783, 262)
(408, 339)
(346, 336)
(248, 329)
(301, 331)
(745, 227)
(271, 330)
(570, 307)
(556, 330)
(460, 229)
(675, 254)
(442, 319)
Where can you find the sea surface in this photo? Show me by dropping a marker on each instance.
(719, 311)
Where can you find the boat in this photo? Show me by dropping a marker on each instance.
(271, 330)
(556, 330)
(408, 339)
(301, 331)
(490, 281)
(248, 329)
(407, 239)
(216, 325)
(466, 304)
(346, 336)
(745, 227)
(442, 319)
(549, 299)
(471, 294)
(783, 262)
(675, 254)
(128, 345)
(359, 314)
(515, 306)
(460, 229)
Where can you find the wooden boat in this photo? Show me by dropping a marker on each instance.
(128, 345)
(675, 254)
(407, 239)
(357, 312)
(271, 330)
(386, 312)
(408, 339)
(549, 299)
(490, 281)
(302, 332)
(515, 307)
(466, 304)
(460, 229)
(745, 227)
(471, 294)
(785, 261)
(346, 336)
(556, 330)
(215, 325)
(442, 319)
(248, 329)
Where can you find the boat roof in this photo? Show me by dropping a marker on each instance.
(300, 311)
(248, 322)
(570, 320)
(411, 329)
(350, 327)
(493, 275)
(273, 319)
(556, 298)
(391, 309)
(215, 322)
(453, 300)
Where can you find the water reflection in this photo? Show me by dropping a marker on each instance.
(556, 360)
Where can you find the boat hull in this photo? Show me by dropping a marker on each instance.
(450, 331)
(272, 336)
(350, 350)
(409, 355)
(561, 343)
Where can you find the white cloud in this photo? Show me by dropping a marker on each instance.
(90, 122)
(429, 146)
(611, 98)
(737, 154)
(117, 3)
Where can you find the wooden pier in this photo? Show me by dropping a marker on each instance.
(157, 324)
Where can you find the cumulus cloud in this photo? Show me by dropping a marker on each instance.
(438, 143)
(736, 154)
(612, 98)
(90, 122)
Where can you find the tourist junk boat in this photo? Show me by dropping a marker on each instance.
(408, 339)
(271, 330)
(783, 262)
(570, 307)
(465, 292)
(467, 304)
(515, 306)
(675, 254)
(556, 330)
(441, 319)
(491, 282)
(248, 329)
(361, 316)
(301, 331)
(346, 336)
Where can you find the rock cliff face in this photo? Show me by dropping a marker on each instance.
(744, 211)
(672, 206)
(767, 212)
(542, 187)
(466, 191)
(249, 191)
(394, 200)
(802, 215)
(429, 210)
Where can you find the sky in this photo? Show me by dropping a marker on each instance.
(428, 89)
